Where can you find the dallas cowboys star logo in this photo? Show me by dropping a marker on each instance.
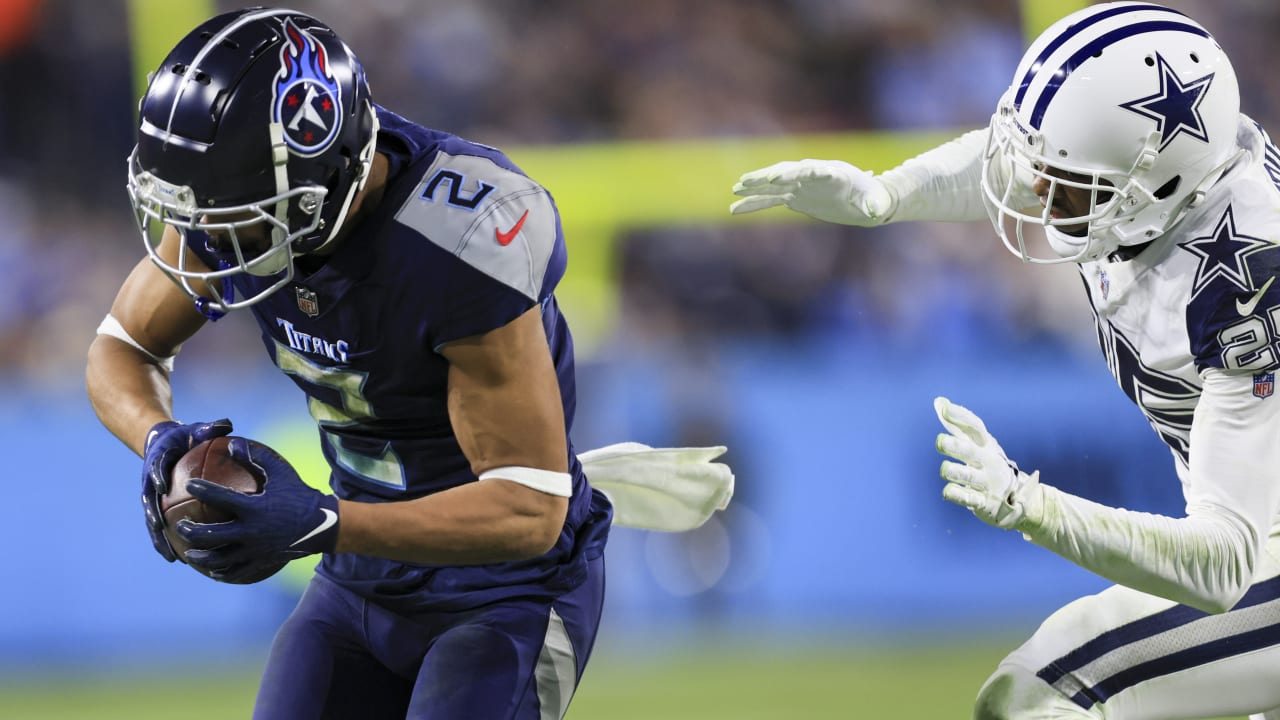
(1224, 254)
(1176, 108)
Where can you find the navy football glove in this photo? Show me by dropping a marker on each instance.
(166, 443)
(288, 519)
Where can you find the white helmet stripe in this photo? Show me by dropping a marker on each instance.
(168, 137)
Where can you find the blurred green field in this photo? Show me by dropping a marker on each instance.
(739, 683)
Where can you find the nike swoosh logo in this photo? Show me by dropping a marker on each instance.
(330, 519)
(1246, 308)
(505, 238)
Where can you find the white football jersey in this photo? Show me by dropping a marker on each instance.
(1201, 296)
(1190, 327)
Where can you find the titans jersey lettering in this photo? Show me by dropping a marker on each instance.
(306, 344)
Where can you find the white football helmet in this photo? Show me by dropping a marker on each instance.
(1132, 105)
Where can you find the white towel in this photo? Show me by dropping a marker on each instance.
(668, 489)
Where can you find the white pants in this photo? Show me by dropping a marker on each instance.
(1125, 654)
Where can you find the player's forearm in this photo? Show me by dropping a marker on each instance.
(1208, 558)
(942, 184)
(482, 522)
(129, 391)
(1205, 560)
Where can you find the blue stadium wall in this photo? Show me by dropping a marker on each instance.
(838, 521)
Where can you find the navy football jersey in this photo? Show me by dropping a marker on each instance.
(462, 243)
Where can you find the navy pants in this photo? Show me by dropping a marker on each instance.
(341, 656)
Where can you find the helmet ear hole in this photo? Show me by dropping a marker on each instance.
(219, 103)
(1168, 188)
(347, 161)
(337, 175)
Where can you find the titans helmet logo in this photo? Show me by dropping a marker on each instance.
(1176, 108)
(307, 99)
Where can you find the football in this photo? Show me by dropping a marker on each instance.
(212, 461)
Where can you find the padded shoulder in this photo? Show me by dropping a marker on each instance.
(493, 218)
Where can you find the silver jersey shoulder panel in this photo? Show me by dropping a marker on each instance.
(496, 220)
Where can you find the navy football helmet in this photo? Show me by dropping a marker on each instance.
(256, 132)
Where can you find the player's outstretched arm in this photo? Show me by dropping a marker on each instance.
(1206, 560)
(942, 184)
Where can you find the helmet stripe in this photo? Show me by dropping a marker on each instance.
(1073, 31)
(167, 137)
(221, 35)
(1096, 46)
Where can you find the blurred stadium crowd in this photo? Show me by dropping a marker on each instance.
(508, 72)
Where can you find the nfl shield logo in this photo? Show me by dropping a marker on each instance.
(1264, 385)
(310, 304)
(1104, 283)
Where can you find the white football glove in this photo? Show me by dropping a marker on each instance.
(668, 489)
(985, 480)
(828, 190)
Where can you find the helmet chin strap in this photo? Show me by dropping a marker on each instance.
(282, 259)
(1196, 196)
(365, 162)
(1173, 215)
(1068, 246)
(280, 162)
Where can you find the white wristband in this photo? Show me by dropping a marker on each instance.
(111, 326)
(547, 481)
